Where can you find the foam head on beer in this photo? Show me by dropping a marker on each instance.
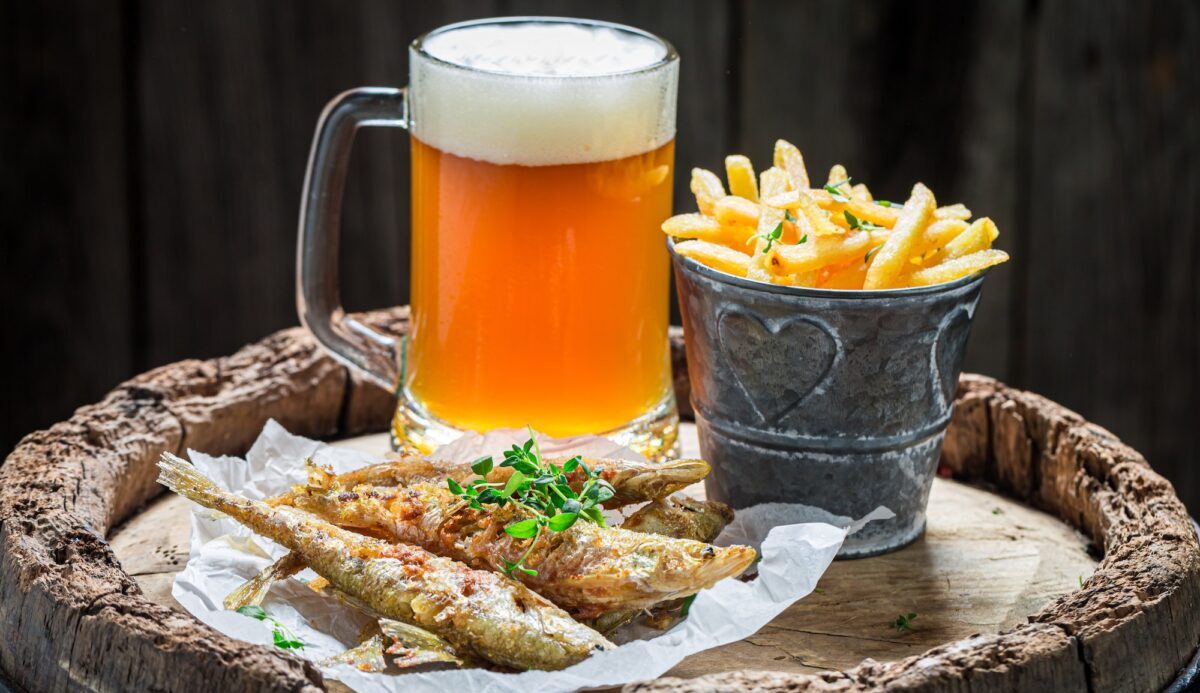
(536, 94)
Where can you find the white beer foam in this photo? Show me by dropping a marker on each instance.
(542, 94)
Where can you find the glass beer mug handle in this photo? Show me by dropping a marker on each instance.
(318, 299)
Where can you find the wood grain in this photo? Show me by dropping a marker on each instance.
(74, 618)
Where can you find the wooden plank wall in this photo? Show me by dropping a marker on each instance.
(154, 151)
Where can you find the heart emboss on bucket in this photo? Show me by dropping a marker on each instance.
(777, 363)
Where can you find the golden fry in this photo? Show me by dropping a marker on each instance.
(938, 234)
(774, 181)
(888, 261)
(819, 251)
(876, 214)
(784, 200)
(715, 256)
(707, 188)
(736, 211)
(788, 158)
(954, 211)
(768, 236)
(818, 221)
(775, 228)
(959, 267)
(740, 173)
(693, 226)
(978, 236)
(847, 277)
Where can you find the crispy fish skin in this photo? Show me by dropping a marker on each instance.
(586, 569)
(681, 517)
(676, 516)
(633, 481)
(479, 613)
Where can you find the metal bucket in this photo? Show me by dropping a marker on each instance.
(833, 399)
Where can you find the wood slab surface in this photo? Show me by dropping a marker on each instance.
(985, 564)
(74, 619)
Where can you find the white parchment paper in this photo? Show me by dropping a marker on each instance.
(795, 552)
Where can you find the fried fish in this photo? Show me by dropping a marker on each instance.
(587, 569)
(479, 613)
(632, 480)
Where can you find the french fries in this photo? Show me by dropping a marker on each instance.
(777, 228)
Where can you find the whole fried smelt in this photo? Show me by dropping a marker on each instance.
(633, 481)
(959, 267)
(586, 568)
(478, 612)
(716, 256)
(681, 517)
(254, 590)
(887, 263)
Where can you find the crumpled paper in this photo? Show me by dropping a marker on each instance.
(224, 554)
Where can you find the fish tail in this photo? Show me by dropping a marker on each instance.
(183, 478)
(663, 480)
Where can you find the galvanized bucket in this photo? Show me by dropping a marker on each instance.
(832, 399)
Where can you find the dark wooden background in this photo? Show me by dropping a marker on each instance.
(153, 152)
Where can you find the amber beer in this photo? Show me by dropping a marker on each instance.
(542, 159)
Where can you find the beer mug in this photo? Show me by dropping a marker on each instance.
(542, 157)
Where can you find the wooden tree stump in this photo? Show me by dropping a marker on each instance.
(74, 619)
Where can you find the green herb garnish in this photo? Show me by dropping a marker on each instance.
(857, 224)
(284, 638)
(687, 606)
(886, 203)
(787, 214)
(772, 237)
(903, 622)
(834, 190)
(541, 489)
(872, 251)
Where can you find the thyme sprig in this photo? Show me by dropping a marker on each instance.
(857, 224)
(835, 191)
(775, 235)
(541, 489)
